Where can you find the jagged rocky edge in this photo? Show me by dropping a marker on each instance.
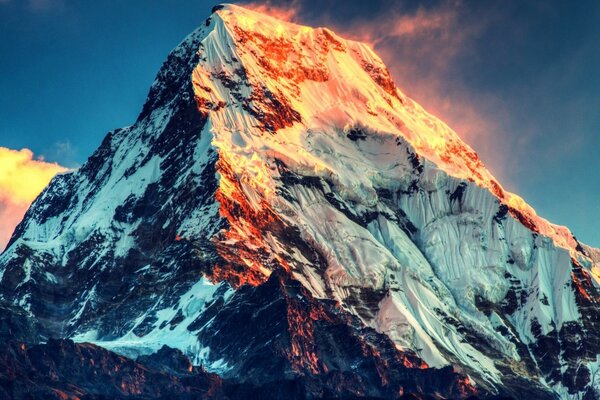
(358, 363)
(133, 174)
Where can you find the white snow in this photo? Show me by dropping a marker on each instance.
(190, 305)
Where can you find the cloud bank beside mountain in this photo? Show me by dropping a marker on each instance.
(22, 178)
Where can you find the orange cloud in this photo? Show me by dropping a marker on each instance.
(22, 178)
(289, 12)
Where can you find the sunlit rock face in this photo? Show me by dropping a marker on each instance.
(281, 212)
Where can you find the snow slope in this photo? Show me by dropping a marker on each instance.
(285, 100)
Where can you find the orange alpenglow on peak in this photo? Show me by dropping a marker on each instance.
(22, 178)
(309, 79)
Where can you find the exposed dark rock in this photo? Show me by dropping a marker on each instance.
(458, 193)
(356, 134)
(17, 324)
(277, 331)
(62, 369)
(501, 214)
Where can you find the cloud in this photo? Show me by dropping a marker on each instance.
(22, 178)
(64, 152)
(286, 12)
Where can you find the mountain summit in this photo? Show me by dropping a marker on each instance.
(287, 218)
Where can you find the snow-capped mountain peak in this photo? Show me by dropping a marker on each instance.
(277, 177)
(325, 82)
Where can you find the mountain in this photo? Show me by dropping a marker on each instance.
(283, 215)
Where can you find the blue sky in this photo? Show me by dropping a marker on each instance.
(519, 82)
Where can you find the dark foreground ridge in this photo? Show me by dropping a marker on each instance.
(317, 351)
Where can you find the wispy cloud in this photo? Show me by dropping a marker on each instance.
(286, 12)
(64, 152)
(22, 178)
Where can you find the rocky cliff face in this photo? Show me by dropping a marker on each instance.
(286, 217)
